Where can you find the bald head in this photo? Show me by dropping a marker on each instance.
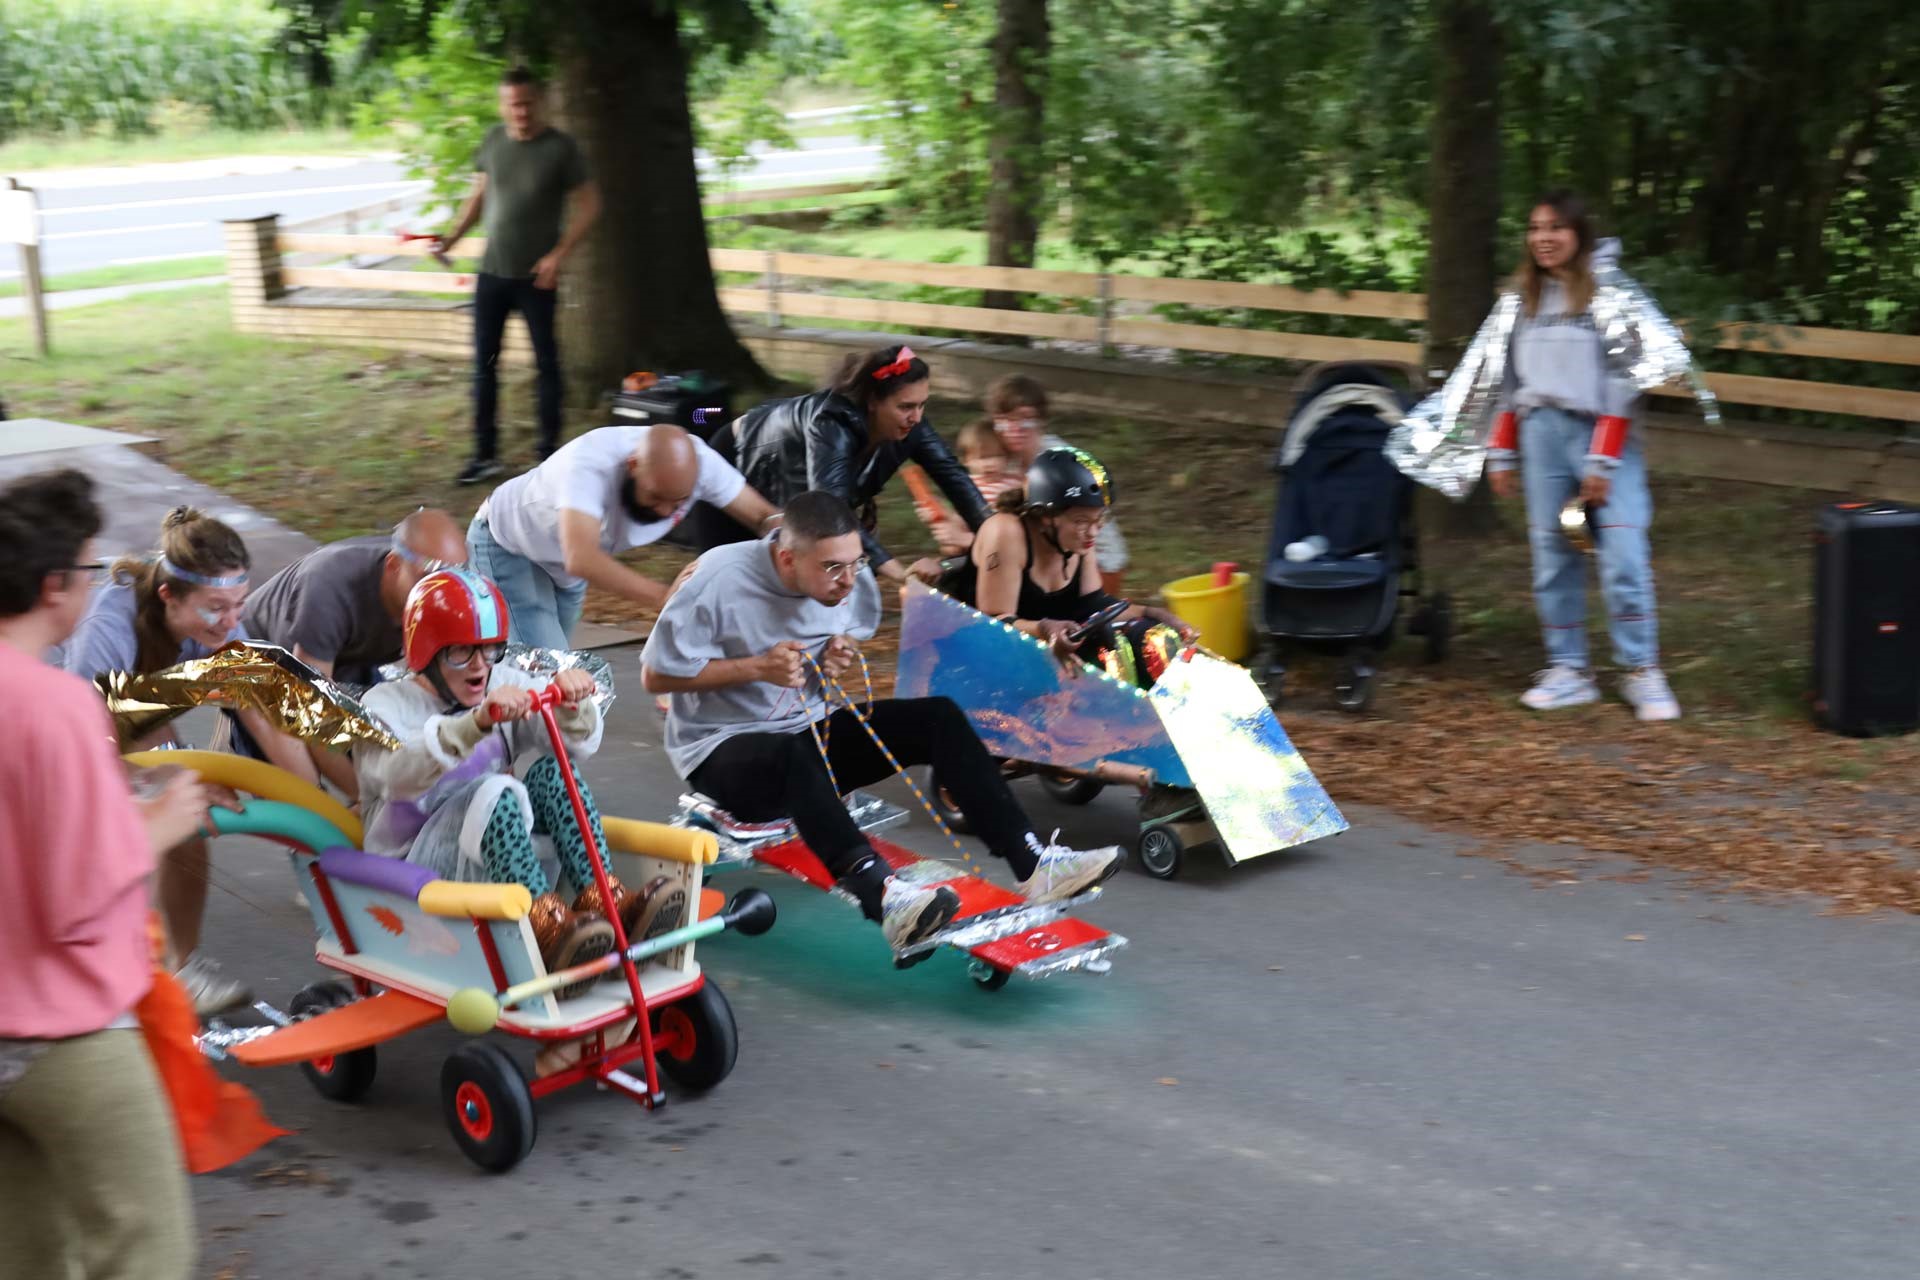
(432, 534)
(662, 472)
(428, 539)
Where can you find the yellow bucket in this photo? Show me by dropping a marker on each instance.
(1219, 614)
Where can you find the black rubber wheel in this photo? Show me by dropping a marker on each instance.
(706, 1041)
(1273, 682)
(488, 1107)
(944, 806)
(1354, 692)
(1439, 632)
(342, 1077)
(1354, 689)
(1069, 789)
(1160, 852)
(988, 978)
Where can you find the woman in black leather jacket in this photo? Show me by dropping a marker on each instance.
(848, 440)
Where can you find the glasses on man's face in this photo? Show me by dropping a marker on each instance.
(461, 656)
(848, 569)
(91, 566)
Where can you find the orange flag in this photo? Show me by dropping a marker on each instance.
(220, 1122)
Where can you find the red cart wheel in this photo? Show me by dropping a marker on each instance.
(343, 1077)
(489, 1108)
(698, 1041)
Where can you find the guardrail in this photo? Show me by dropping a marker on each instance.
(1106, 310)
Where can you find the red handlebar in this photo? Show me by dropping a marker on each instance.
(542, 698)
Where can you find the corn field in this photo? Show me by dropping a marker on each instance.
(127, 67)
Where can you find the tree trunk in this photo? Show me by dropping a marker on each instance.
(1014, 147)
(639, 293)
(1463, 199)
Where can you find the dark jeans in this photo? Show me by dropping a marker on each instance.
(764, 777)
(706, 527)
(493, 298)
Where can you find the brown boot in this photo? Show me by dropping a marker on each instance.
(567, 938)
(589, 900)
(659, 908)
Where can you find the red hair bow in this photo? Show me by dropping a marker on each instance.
(902, 363)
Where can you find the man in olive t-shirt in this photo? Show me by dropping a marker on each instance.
(527, 174)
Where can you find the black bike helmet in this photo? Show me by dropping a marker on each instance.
(1063, 478)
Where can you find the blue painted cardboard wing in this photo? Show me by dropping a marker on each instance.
(1204, 725)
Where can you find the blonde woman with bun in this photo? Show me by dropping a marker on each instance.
(154, 612)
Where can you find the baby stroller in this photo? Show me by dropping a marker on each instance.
(1345, 513)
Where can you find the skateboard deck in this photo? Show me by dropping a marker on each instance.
(996, 926)
(371, 1021)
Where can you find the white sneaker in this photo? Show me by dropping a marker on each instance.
(910, 914)
(1557, 688)
(211, 990)
(1064, 872)
(1648, 693)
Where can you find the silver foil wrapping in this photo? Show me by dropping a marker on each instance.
(543, 664)
(1642, 345)
(1442, 441)
(739, 842)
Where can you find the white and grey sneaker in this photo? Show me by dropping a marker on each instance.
(211, 990)
(1647, 692)
(1557, 688)
(1064, 872)
(910, 914)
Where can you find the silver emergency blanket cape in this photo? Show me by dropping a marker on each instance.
(1204, 725)
(1442, 441)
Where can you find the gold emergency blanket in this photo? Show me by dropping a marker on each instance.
(294, 698)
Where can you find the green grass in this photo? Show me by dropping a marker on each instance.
(136, 273)
(23, 154)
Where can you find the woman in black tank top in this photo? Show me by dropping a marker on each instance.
(1032, 564)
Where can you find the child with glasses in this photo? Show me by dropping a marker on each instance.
(475, 777)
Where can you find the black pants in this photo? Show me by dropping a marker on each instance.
(706, 527)
(764, 777)
(493, 298)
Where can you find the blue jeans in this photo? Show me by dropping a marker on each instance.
(540, 612)
(1553, 449)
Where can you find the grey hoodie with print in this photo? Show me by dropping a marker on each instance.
(1557, 360)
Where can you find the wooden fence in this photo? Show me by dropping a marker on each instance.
(1105, 311)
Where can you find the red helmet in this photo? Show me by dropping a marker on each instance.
(451, 606)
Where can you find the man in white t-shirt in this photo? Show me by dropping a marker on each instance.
(545, 536)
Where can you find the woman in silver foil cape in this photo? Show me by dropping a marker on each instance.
(1572, 348)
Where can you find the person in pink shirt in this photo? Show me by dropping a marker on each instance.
(92, 1181)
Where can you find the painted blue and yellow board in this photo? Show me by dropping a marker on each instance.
(1205, 725)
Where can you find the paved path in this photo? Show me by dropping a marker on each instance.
(155, 213)
(1373, 1059)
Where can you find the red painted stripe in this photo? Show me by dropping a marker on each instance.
(1036, 944)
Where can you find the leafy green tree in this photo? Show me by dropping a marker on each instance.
(640, 293)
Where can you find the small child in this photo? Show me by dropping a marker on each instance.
(987, 462)
(1017, 406)
(474, 780)
(987, 459)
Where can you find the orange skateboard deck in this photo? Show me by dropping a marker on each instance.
(355, 1026)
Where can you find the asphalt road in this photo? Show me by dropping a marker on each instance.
(102, 217)
(1372, 1058)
